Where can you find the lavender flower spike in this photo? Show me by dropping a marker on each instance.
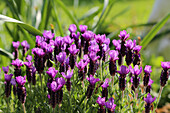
(165, 65)
(146, 78)
(73, 50)
(136, 71)
(21, 80)
(110, 105)
(92, 80)
(68, 75)
(72, 28)
(5, 69)
(61, 57)
(123, 35)
(147, 69)
(104, 88)
(149, 100)
(123, 70)
(16, 44)
(101, 102)
(165, 73)
(7, 84)
(83, 28)
(17, 63)
(48, 35)
(52, 72)
(113, 55)
(81, 65)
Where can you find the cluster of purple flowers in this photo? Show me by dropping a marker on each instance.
(51, 51)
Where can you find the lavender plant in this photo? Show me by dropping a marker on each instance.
(61, 86)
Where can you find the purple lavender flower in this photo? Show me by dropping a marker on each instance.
(117, 44)
(16, 44)
(13, 83)
(60, 81)
(101, 102)
(76, 38)
(165, 73)
(92, 80)
(93, 48)
(88, 35)
(147, 69)
(72, 28)
(39, 40)
(137, 48)
(100, 38)
(17, 63)
(123, 35)
(91, 86)
(146, 78)
(54, 86)
(81, 65)
(61, 57)
(83, 28)
(25, 44)
(68, 77)
(73, 50)
(113, 55)
(68, 41)
(21, 80)
(48, 35)
(136, 60)
(52, 72)
(21, 90)
(136, 71)
(29, 58)
(93, 56)
(148, 88)
(130, 44)
(149, 100)
(28, 70)
(5, 69)
(110, 105)
(8, 84)
(123, 71)
(104, 88)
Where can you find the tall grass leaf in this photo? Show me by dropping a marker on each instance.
(92, 12)
(57, 19)
(27, 27)
(154, 31)
(106, 2)
(68, 13)
(6, 53)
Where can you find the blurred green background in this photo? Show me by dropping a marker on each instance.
(101, 17)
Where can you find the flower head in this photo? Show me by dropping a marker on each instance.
(59, 41)
(17, 63)
(149, 99)
(73, 50)
(28, 64)
(39, 40)
(52, 72)
(93, 56)
(110, 104)
(29, 58)
(68, 75)
(101, 101)
(130, 44)
(38, 51)
(54, 86)
(92, 80)
(94, 48)
(117, 44)
(68, 40)
(5, 69)
(88, 35)
(16, 44)
(106, 83)
(150, 82)
(147, 69)
(113, 55)
(123, 70)
(25, 44)
(13, 82)
(83, 28)
(165, 65)
(8, 77)
(48, 34)
(136, 70)
(61, 81)
(81, 65)
(137, 48)
(75, 36)
(21, 80)
(61, 57)
(123, 35)
(100, 38)
(72, 28)
(86, 58)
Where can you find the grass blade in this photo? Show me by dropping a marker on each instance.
(6, 53)
(27, 27)
(68, 13)
(106, 2)
(154, 31)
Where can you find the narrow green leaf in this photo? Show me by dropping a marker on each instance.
(68, 13)
(106, 2)
(154, 31)
(27, 27)
(6, 53)
(92, 12)
(57, 19)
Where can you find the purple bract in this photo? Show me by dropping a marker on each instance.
(147, 69)
(5, 69)
(83, 28)
(52, 72)
(113, 55)
(21, 80)
(149, 99)
(72, 28)
(136, 70)
(61, 57)
(110, 104)
(8, 77)
(123, 35)
(48, 34)
(101, 101)
(17, 63)
(123, 70)
(16, 44)
(73, 50)
(106, 83)
(92, 80)
(165, 65)
(81, 65)
(68, 75)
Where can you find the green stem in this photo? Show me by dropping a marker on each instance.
(41, 81)
(7, 105)
(53, 110)
(23, 108)
(158, 99)
(112, 81)
(70, 102)
(101, 75)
